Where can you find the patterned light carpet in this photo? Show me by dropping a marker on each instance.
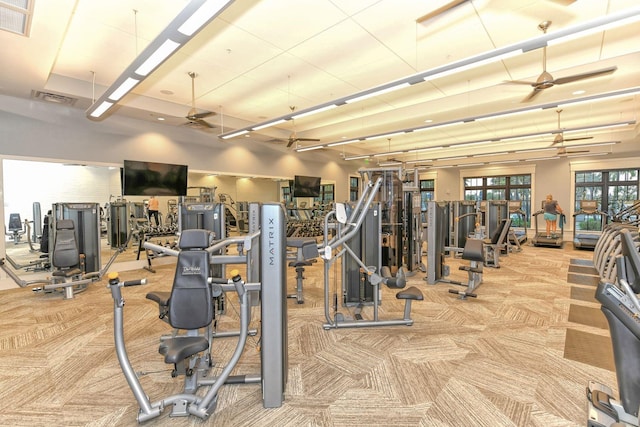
(520, 354)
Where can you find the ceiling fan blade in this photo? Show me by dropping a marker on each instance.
(557, 140)
(578, 138)
(202, 115)
(520, 82)
(440, 10)
(308, 139)
(204, 123)
(535, 92)
(291, 142)
(576, 77)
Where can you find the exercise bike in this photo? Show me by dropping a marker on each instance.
(621, 307)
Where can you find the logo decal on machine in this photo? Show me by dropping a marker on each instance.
(191, 270)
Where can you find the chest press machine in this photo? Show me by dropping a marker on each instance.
(190, 310)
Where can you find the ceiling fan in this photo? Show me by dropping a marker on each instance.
(560, 139)
(546, 80)
(194, 118)
(293, 138)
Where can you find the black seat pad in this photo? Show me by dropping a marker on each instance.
(179, 348)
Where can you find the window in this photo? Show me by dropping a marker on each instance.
(612, 189)
(326, 194)
(15, 16)
(427, 194)
(354, 188)
(286, 195)
(513, 187)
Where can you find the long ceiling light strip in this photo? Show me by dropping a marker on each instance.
(496, 139)
(607, 21)
(501, 114)
(195, 16)
(532, 150)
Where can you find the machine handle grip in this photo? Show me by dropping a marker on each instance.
(135, 282)
(114, 280)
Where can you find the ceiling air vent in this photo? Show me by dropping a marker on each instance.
(53, 97)
(15, 16)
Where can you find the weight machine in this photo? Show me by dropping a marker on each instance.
(400, 217)
(189, 351)
(356, 245)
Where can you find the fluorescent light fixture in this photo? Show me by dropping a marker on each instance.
(601, 97)
(602, 23)
(440, 125)
(471, 62)
(309, 148)
(595, 144)
(191, 19)
(385, 135)
(534, 150)
(390, 153)
(481, 59)
(376, 92)
(124, 88)
(202, 16)
(231, 135)
(471, 144)
(419, 150)
(266, 125)
(453, 158)
(163, 52)
(508, 114)
(97, 112)
(600, 127)
(363, 156)
(528, 136)
(314, 111)
(604, 153)
(501, 153)
(348, 141)
(542, 158)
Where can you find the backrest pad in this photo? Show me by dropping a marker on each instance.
(191, 304)
(65, 246)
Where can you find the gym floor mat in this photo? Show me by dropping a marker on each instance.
(579, 261)
(583, 279)
(592, 349)
(583, 269)
(590, 316)
(583, 294)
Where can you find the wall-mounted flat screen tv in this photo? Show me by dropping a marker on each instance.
(154, 179)
(306, 186)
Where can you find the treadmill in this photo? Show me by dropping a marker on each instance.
(519, 217)
(590, 231)
(540, 238)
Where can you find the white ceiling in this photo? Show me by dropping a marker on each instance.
(259, 58)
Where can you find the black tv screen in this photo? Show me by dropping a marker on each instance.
(154, 179)
(306, 186)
